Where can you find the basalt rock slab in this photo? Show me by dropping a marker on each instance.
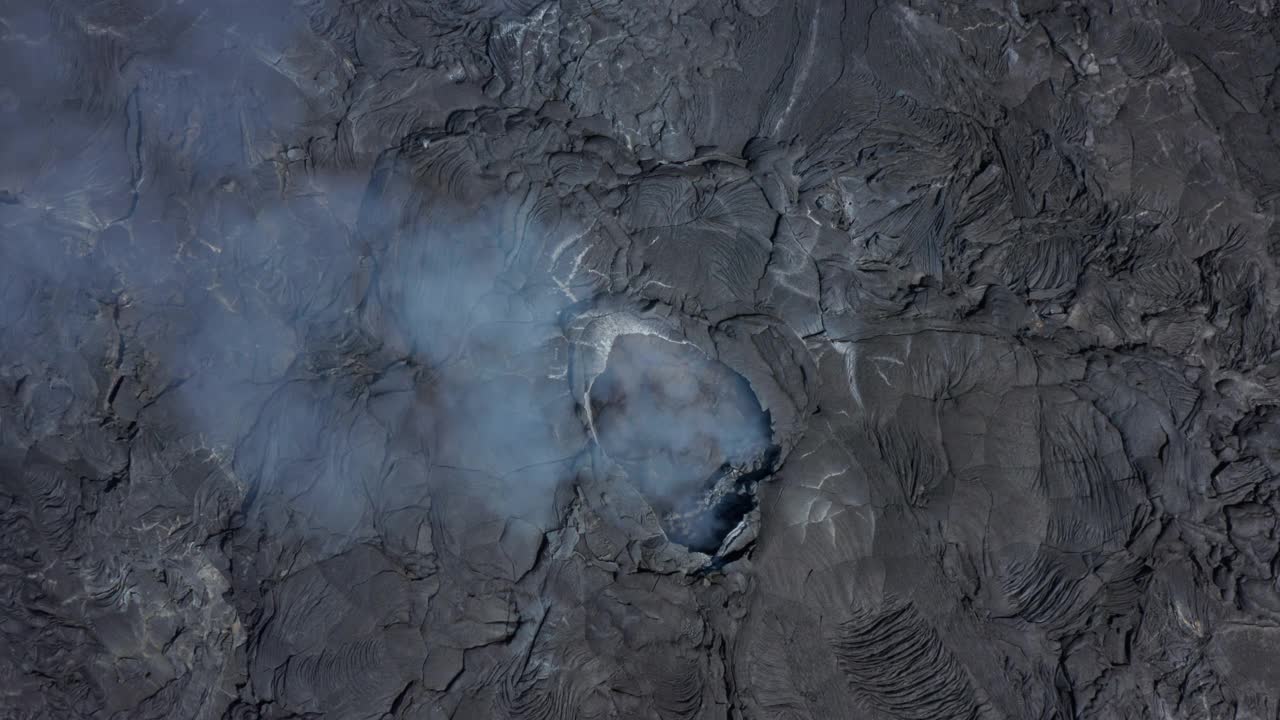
(662, 359)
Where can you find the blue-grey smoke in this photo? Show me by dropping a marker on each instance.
(186, 239)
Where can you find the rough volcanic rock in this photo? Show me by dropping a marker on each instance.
(887, 359)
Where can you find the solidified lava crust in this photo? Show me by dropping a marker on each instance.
(639, 359)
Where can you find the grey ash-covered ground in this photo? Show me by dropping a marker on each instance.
(640, 359)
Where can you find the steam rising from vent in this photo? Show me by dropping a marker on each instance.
(686, 429)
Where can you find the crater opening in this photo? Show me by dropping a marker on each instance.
(689, 433)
